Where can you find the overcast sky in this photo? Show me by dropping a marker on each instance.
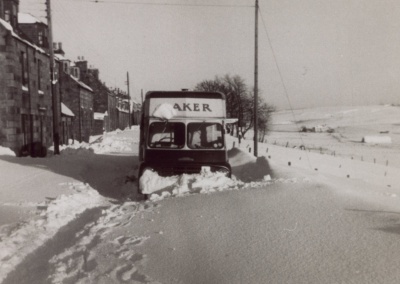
(320, 53)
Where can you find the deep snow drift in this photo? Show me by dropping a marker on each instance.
(76, 196)
(58, 189)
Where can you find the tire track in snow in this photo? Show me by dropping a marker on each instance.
(52, 219)
(35, 267)
(99, 256)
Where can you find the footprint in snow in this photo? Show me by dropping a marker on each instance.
(128, 273)
(123, 241)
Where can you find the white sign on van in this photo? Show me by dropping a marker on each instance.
(191, 107)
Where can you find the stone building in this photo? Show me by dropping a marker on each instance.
(118, 114)
(26, 114)
(90, 76)
(33, 29)
(9, 11)
(30, 103)
(111, 106)
(78, 98)
(136, 112)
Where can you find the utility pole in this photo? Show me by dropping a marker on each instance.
(256, 83)
(129, 98)
(56, 134)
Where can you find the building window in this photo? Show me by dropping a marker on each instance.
(24, 69)
(66, 67)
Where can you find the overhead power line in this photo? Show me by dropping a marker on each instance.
(281, 77)
(161, 4)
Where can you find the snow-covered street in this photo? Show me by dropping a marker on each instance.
(289, 216)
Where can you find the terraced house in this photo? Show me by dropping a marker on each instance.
(26, 113)
(30, 103)
(26, 96)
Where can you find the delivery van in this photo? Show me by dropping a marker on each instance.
(183, 132)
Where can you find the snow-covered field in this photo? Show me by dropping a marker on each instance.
(348, 125)
(41, 196)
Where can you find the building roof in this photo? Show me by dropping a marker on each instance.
(83, 85)
(8, 27)
(25, 18)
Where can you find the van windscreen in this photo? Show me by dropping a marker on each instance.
(166, 135)
(203, 135)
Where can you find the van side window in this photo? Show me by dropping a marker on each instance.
(166, 135)
(202, 135)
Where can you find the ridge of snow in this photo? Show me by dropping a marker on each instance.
(36, 232)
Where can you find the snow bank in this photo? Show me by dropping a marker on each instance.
(206, 181)
(377, 139)
(6, 151)
(247, 171)
(109, 144)
(56, 214)
(248, 168)
(117, 141)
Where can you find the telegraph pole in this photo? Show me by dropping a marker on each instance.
(56, 134)
(129, 98)
(256, 82)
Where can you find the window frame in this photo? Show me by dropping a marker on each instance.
(217, 144)
(164, 146)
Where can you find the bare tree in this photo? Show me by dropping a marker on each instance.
(240, 103)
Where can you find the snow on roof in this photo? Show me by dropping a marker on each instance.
(66, 111)
(83, 85)
(60, 57)
(122, 110)
(8, 27)
(26, 18)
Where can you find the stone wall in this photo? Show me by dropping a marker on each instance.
(25, 96)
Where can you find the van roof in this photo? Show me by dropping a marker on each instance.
(185, 94)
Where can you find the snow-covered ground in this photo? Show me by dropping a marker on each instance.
(41, 196)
